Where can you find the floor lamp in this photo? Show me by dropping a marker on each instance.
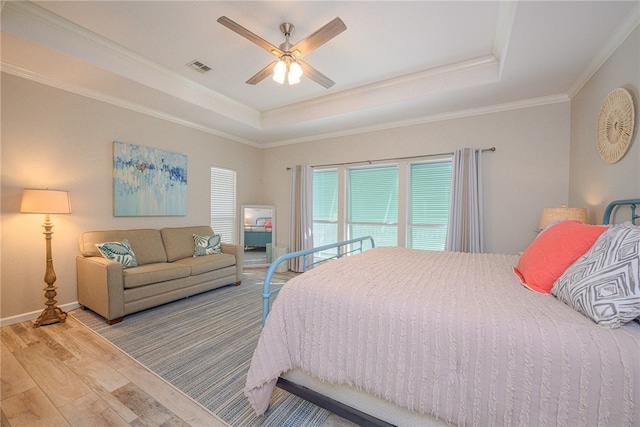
(47, 202)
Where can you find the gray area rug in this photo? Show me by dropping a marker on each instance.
(203, 346)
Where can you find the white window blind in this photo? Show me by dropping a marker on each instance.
(429, 199)
(372, 204)
(325, 207)
(373, 200)
(223, 204)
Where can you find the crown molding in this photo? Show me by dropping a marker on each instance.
(74, 40)
(528, 103)
(617, 38)
(77, 41)
(472, 72)
(416, 81)
(118, 102)
(506, 16)
(498, 108)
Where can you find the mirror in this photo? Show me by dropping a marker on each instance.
(258, 236)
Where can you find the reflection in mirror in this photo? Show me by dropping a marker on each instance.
(259, 234)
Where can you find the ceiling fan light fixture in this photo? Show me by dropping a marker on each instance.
(280, 71)
(295, 72)
(287, 54)
(293, 79)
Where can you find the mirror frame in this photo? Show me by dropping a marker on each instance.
(273, 225)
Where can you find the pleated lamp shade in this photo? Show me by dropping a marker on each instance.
(550, 215)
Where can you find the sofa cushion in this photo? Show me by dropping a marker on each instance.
(178, 241)
(206, 263)
(145, 243)
(154, 273)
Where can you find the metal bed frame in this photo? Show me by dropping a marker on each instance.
(611, 206)
(332, 405)
(342, 248)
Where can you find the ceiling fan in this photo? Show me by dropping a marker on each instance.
(289, 56)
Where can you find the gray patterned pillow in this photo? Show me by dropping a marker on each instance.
(604, 284)
(207, 245)
(118, 251)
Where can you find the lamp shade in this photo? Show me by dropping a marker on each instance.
(550, 215)
(295, 71)
(279, 71)
(45, 201)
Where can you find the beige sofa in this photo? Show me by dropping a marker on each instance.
(166, 270)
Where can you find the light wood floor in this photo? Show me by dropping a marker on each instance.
(66, 375)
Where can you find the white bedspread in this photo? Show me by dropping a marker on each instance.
(452, 335)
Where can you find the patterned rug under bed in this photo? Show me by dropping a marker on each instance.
(203, 345)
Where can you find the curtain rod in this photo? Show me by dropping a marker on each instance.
(393, 158)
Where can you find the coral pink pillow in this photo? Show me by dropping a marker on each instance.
(553, 251)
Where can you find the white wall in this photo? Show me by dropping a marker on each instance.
(593, 182)
(50, 138)
(55, 139)
(528, 170)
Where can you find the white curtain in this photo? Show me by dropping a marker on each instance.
(465, 233)
(300, 217)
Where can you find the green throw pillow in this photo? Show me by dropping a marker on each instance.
(207, 245)
(118, 251)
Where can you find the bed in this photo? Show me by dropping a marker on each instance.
(258, 234)
(395, 336)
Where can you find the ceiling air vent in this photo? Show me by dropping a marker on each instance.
(198, 66)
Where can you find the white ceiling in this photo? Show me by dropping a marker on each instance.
(397, 63)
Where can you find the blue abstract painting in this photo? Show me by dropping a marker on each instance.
(148, 182)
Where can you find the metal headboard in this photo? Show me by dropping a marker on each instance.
(261, 220)
(610, 207)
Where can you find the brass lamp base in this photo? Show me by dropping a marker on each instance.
(51, 313)
(50, 316)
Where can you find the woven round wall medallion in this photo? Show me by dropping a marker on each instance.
(615, 125)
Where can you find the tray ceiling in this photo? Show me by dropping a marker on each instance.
(397, 63)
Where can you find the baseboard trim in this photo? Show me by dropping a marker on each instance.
(19, 318)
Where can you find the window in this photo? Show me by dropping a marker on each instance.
(402, 204)
(325, 207)
(372, 204)
(429, 196)
(223, 204)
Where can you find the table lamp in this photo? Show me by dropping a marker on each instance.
(550, 215)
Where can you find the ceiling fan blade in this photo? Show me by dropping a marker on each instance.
(320, 37)
(262, 74)
(250, 36)
(315, 75)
